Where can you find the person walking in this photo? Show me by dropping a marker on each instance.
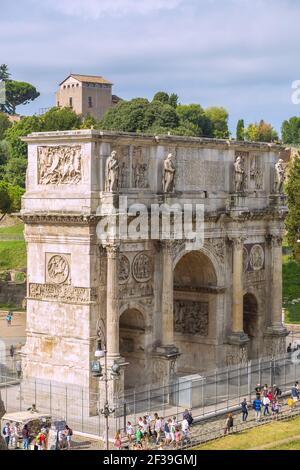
(138, 436)
(275, 409)
(244, 406)
(118, 440)
(167, 432)
(228, 424)
(68, 434)
(157, 428)
(6, 433)
(25, 435)
(266, 403)
(257, 408)
(8, 318)
(185, 429)
(129, 431)
(294, 393)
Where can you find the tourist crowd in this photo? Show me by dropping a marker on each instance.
(18, 436)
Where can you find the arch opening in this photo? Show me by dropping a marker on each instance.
(132, 347)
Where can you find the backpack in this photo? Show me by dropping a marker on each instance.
(4, 431)
(70, 432)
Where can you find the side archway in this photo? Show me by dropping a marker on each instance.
(251, 323)
(132, 346)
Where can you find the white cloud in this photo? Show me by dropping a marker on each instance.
(93, 9)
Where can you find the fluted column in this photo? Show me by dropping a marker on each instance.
(237, 286)
(275, 244)
(112, 325)
(167, 295)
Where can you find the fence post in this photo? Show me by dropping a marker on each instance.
(259, 370)
(35, 392)
(227, 387)
(239, 382)
(50, 397)
(284, 372)
(216, 390)
(66, 403)
(82, 405)
(271, 371)
(20, 396)
(249, 376)
(6, 393)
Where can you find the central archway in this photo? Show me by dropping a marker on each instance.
(132, 347)
(195, 305)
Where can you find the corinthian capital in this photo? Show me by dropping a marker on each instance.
(237, 242)
(112, 251)
(274, 240)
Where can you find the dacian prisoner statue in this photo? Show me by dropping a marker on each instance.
(112, 173)
(169, 174)
(279, 176)
(239, 173)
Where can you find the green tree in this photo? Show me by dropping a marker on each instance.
(290, 131)
(161, 96)
(4, 155)
(292, 221)
(219, 119)
(126, 116)
(4, 124)
(173, 100)
(10, 198)
(21, 129)
(160, 114)
(59, 119)
(18, 93)
(262, 132)
(194, 114)
(14, 171)
(4, 72)
(240, 130)
(89, 122)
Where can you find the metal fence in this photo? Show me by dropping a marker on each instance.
(206, 395)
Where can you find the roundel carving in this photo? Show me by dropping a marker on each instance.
(142, 267)
(58, 269)
(257, 257)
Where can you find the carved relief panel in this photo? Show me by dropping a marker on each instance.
(191, 317)
(59, 165)
(57, 268)
(254, 257)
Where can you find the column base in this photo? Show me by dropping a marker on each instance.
(164, 363)
(238, 338)
(277, 329)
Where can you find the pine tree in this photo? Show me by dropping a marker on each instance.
(292, 222)
(240, 129)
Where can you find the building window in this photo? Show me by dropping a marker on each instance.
(71, 102)
(90, 103)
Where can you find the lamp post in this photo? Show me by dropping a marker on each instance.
(106, 411)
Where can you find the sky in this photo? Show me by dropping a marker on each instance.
(240, 54)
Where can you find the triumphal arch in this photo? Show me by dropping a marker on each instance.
(169, 305)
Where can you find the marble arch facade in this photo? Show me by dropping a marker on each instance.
(74, 279)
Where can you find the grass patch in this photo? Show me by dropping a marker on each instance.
(256, 437)
(292, 445)
(291, 288)
(12, 255)
(12, 252)
(17, 229)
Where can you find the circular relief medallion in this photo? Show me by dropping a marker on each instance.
(58, 269)
(124, 268)
(142, 268)
(245, 259)
(257, 257)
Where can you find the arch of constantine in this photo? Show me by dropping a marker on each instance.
(169, 307)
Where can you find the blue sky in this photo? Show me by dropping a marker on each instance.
(240, 54)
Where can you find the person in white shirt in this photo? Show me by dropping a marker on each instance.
(266, 403)
(185, 429)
